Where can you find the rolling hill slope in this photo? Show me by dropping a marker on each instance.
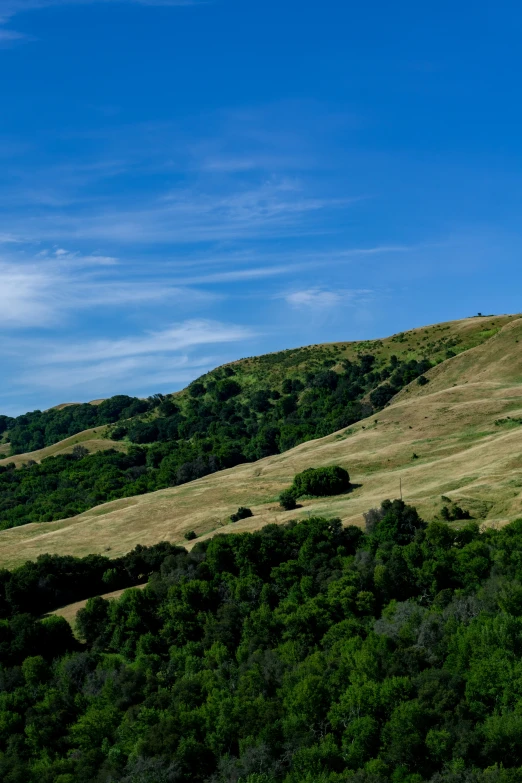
(462, 426)
(435, 342)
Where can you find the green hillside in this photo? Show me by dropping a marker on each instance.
(238, 413)
(34, 431)
(453, 440)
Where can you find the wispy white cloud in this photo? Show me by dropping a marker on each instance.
(44, 289)
(131, 374)
(241, 275)
(255, 256)
(10, 239)
(27, 296)
(223, 164)
(11, 8)
(272, 208)
(175, 338)
(43, 292)
(143, 361)
(313, 297)
(10, 36)
(320, 298)
(74, 259)
(377, 250)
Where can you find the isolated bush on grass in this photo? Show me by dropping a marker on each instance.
(321, 481)
(241, 513)
(287, 500)
(190, 535)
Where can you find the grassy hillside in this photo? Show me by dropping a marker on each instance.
(237, 413)
(32, 435)
(462, 426)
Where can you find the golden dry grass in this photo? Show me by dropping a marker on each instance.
(449, 424)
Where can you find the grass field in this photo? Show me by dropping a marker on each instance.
(451, 425)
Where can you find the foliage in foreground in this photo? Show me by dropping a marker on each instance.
(300, 654)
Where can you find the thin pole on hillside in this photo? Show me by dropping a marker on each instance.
(400, 486)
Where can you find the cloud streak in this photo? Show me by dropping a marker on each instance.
(135, 363)
(322, 299)
(11, 8)
(270, 209)
(43, 292)
(176, 337)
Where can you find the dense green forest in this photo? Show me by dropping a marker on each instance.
(306, 653)
(221, 422)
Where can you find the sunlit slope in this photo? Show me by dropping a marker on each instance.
(449, 424)
(434, 342)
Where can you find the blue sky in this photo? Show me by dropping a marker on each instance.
(183, 184)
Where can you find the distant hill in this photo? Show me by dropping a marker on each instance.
(36, 430)
(456, 436)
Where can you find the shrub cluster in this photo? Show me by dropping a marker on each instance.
(454, 512)
(241, 513)
(52, 581)
(321, 481)
(315, 481)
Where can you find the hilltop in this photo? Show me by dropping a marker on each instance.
(456, 436)
(58, 429)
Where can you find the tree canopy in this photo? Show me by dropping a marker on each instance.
(304, 653)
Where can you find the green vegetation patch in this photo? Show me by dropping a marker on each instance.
(508, 421)
(36, 430)
(321, 482)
